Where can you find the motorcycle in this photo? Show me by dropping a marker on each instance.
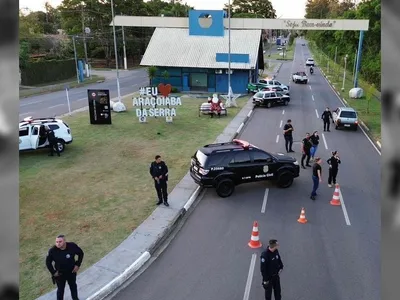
(311, 70)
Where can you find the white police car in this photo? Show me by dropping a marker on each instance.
(32, 133)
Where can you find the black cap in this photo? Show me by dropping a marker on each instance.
(272, 243)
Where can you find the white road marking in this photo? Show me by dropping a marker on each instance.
(283, 112)
(30, 103)
(264, 204)
(280, 125)
(312, 98)
(309, 87)
(366, 135)
(277, 138)
(250, 277)
(325, 144)
(346, 216)
(55, 106)
(81, 99)
(28, 113)
(316, 112)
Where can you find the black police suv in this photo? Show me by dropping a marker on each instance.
(225, 165)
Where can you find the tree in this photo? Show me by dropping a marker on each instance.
(151, 73)
(258, 8)
(165, 74)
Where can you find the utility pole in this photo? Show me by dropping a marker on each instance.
(229, 52)
(84, 35)
(76, 58)
(115, 50)
(123, 43)
(335, 54)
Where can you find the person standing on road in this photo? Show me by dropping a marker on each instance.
(333, 162)
(52, 141)
(271, 267)
(316, 177)
(159, 172)
(314, 138)
(288, 135)
(326, 117)
(65, 266)
(306, 150)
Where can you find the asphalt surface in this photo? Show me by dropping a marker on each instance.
(328, 258)
(56, 103)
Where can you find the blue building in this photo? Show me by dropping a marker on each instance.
(196, 58)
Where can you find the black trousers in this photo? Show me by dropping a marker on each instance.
(305, 155)
(52, 146)
(61, 281)
(273, 284)
(332, 175)
(161, 188)
(326, 125)
(288, 143)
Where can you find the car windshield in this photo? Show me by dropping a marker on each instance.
(310, 59)
(259, 95)
(302, 74)
(348, 114)
(201, 158)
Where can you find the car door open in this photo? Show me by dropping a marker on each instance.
(35, 136)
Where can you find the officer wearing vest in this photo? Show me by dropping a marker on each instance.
(159, 173)
(271, 266)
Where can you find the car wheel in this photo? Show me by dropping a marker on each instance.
(225, 188)
(61, 146)
(285, 103)
(269, 104)
(285, 179)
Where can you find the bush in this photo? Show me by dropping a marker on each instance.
(47, 71)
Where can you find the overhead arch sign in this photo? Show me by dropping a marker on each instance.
(238, 23)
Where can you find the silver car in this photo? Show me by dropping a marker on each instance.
(345, 117)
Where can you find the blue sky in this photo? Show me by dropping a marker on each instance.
(290, 9)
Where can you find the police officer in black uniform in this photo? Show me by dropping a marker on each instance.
(159, 173)
(271, 266)
(65, 266)
(326, 117)
(288, 135)
(52, 141)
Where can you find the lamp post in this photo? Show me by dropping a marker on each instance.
(115, 50)
(344, 72)
(229, 52)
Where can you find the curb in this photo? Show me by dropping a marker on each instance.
(135, 266)
(363, 127)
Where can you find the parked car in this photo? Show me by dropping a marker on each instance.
(255, 87)
(310, 62)
(270, 98)
(300, 77)
(273, 82)
(345, 117)
(225, 165)
(32, 134)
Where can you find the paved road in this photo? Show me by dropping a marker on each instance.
(324, 259)
(56, 103)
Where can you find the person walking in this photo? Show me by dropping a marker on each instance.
(333, 163)
(306, 149)
(288, 135)
(159, 173)
(316, 176)
(53, 143)
(326, 117)
(314, 138)
(65, 266)
(271, 267)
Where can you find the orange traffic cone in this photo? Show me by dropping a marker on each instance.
(302, 218)
(336, 196)
(255, 239)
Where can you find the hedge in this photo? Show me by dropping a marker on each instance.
(47, 71)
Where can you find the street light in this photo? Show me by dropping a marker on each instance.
(115, 50)
(344, 72)
(229, 53)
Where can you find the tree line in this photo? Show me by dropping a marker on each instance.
(40, 37)
(346, 42)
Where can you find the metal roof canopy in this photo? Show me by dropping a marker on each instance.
(247, 23)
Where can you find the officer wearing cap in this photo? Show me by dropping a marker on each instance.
(271, 266)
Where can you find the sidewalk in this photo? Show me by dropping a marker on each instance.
(119, 265)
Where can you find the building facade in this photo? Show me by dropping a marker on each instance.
(196, 58)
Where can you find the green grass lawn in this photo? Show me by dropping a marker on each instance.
(57, 86)
(368, 107)
(100, 189)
